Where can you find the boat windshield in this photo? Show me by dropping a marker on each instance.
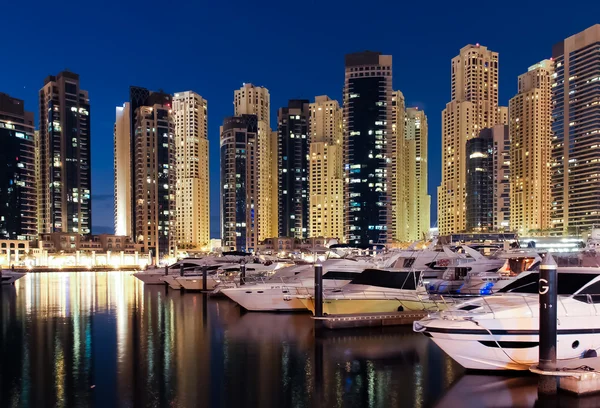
(388, 279)
(568, 283)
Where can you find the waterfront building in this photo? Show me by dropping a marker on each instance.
(530, 131)
(65, 176)
(151, 178)
(473, 107)
(192, 190)
(256, 100)
(293, 134)
(240, 207)
(396, 176)
(487, 181)
(18, 187)
(367, 143)
(575, 175)
(326, 170)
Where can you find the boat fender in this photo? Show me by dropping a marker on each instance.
(590, 353)
(400, 309)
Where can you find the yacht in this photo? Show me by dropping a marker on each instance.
(377, 291)
(432, 261)
(280, 292)
(8, 276)
(500, 331)
(153, 276)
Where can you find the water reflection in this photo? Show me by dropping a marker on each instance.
(103, 339)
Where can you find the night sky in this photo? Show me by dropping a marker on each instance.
(295, 49)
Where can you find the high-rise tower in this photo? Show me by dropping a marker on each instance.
(474, 106)
(367, 146)
(575, 177)
(530, 129)
(192, 193)
(64, 159)
(18, 188)
(326, 170)
(293, 123)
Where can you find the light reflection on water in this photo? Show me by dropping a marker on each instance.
(103, 339)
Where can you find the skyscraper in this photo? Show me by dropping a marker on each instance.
(65, 162)
(255, 100)
(192, 193)
(530, 150)
(575, 177)
(293, 123)
(414, 202)
(474, 106)
(152, 170)
(396, 175)
(326, 170)
(487, 180)
(239, 183)
(122, 171)
(18, 188)
(367, 140)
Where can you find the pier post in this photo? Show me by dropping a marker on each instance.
(318, 290)
(166, 270)
(181, 269)
(204, 276)
(242, 273)
(548, 322)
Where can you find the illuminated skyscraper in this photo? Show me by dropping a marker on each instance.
(474, 106)
(326, 171)
(367, 144)
(530, 150)
(18, 187)
(293, 123)
(192, 193)
(396, 175)
(575, 177)
(239, 183)
(65, 163)
(255, 100)
(414, 202)
(148, 175)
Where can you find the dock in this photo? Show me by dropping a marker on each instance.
(351, 321)
(580, 376)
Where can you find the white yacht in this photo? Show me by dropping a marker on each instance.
(281, 291)
(9, 276)
(377, 291)
(500, 332)
(154, 276)
(432, 261)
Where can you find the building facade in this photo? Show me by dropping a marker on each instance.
(192, 191)
(367, 144)
(575, 177)
(326, 169)
(396, 179)
(65, 177)
(487, 181)
(18, 187)
(293, 200)
(240, 206)
(414, 202)
(256, 100)
(146, 168)
(530, 129)
(474, 106)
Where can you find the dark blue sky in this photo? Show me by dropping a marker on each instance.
(295, 49)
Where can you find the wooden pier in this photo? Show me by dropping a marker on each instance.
(351, 321)
(580, 376)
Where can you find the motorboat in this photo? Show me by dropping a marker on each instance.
(280, 292)
(378, 291)
(500, 331)
(9, 276)
(155, 276)
(473, 274)
(432, 261)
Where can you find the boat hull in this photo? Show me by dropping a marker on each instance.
(353, 306)
(171, 280)
(197, 284)
(9, 278)
(257, 299)
(150, 278)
